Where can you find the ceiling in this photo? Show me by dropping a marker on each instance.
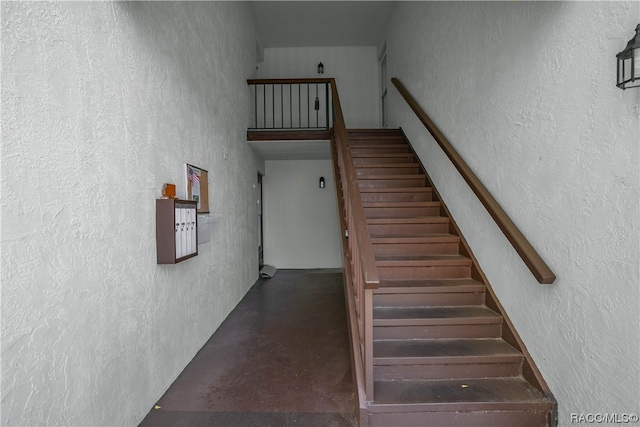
(313, 24)
(321, 23)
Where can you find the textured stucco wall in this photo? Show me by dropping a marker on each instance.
(355, 69)
(526, 93)
(102, 103)
(301, 228)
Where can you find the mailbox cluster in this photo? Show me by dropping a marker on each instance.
(176, 230)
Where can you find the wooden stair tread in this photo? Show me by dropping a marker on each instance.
(373, 132)
(430, 286)
(358, 135)
(473, 350)
(398, 316)
(382, 155)
(396, 190)
(387, 165)
(399, 204)
(358, 139)
(390, 177)
(379, 144)
(411, 220)
(511, 393)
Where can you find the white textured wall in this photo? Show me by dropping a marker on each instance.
(355, 69)
(526, 93)
(102, 103)
(301, 228)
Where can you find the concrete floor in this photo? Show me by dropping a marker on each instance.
(281, 358)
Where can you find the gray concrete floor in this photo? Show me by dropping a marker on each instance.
(281, 358)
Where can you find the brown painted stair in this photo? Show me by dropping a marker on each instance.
(444, 352)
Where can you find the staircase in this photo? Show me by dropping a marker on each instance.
(444, 353)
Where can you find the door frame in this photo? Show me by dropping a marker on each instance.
(260, 223)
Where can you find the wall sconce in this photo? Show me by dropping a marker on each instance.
(629, 63)
(320, 68)
(321, 184)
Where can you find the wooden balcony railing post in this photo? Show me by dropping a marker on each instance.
(368, 342)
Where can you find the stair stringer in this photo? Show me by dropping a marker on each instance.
(509, 334)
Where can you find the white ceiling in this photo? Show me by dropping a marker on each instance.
(312, 24)
(322, 23)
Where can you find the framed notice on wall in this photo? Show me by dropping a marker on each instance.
(198, 187)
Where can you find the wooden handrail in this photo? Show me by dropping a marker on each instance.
(365, 248)
(354, 337)
(286, 81)
(531, 258)
(361, 271)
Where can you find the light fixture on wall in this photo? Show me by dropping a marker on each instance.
(320, 68)
(321, 184)
(629, 63)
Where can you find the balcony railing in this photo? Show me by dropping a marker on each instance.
(290, 104)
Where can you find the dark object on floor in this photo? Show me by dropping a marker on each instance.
(268, 271)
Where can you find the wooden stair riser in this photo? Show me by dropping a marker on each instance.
(366, 132)
(388, 197)
(380, 149)
(385, 158)
(374, 134)
(355, 138)
(387, 272)
(441, 299)
(400, 249)
(453, 418)
(399, 211)
(408, 229)
(446, 371)
(392, 181)
(437, 331)
(359, 142)
(391, 169)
